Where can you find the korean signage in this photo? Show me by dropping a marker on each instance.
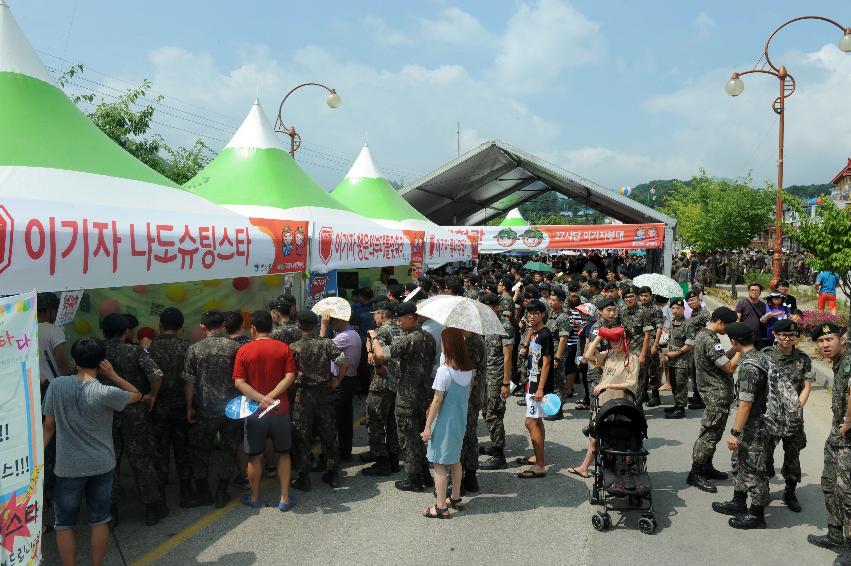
(321, 285)
(335, 247)
(495, 239)
(21, 444)
(69, 302)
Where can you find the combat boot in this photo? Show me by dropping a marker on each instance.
(486, 450)
(368, 457)
(332, 478)
(302, 482)
(654, 401)
(710, 472)
(697, 479)
(753, 519)
(186, 494)
(833, 540)
(155, 512)
(222, 496)
(736, 506)
(790, 499)
(203, 496)
(496, 461)
(394, 463)
(676, 412)
(469, 483)
(844, 558)
(412, 483)
(381, 467)
(697, 404)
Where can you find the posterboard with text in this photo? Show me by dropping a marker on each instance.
(21, 444)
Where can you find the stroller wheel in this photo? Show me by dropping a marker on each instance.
(601, 521)
(647, 525)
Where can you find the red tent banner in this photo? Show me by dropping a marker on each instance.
(496, 239)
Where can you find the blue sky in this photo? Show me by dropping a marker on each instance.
(619, 91)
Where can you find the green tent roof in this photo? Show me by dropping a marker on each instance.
(513, 218)
(43, 128)
(367, 192)
(254, 169)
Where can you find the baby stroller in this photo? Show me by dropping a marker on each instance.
(619, 430)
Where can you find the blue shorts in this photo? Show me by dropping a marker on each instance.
(70, 491)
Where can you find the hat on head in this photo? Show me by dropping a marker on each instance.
(114, 322)
(604, 302)
(307, 318)
(489, 299)
(724, 314)
(384, 305)
(774, 295)
(630, 290)
(678, 302)
(824, 329)
(544, 286)
(403, 309)
(786, 325)
(739, 331)
(587, 309)
(644, 289)
(692, 293)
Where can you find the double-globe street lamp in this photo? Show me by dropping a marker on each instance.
(333, 100)
(735, 86)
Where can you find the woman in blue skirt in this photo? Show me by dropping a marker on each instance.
(447, 421)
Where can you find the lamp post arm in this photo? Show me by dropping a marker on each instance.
(822, 18)
(280, 126)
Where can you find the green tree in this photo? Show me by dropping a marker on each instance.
(128, 123)
(716, 214)
(828, 239)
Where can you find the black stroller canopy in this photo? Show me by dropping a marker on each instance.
(627, 410)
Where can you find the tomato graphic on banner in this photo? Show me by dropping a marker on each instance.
(321, 285)
(326, 242)
(290, 240)
(474, 246)
(417, 240)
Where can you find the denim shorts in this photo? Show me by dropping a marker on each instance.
(68, 493)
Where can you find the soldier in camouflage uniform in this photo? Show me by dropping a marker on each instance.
(381, 399)
(285, 330)
(506, 301)
(654, 364)
(715, 383)
(470, 290)
(499, 348)
(748, 436)
(678, 354)
(559, 324)
(208, 377)
(313, 407)
(836, 477)
(415, 351)
(171, 430)
(698, 320)
(132, 428)
(639, 322)
(477, 351)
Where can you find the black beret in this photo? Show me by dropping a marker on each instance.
(307, 318)
(544, 287)
(114, 323)
(824, 329)
(132, 321)
(489, 299)
(630, 290)
(604, 302)
(786, 325)
(678, 302)
(724, 314)
(739, 331)
(384, 305)
(406, 308)
(644, 289)
(691, 294)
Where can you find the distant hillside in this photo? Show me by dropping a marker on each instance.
(654, 193)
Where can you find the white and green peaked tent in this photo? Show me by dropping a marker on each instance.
(255, 176)
(514, 218)
(366, 191)
(77, 210)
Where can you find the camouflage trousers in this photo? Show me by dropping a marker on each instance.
(202, 449)
(712, 427)
(679, 384)
(493, 412)
(410, 422)
(648, 375)
(133, 435)
(792, 446)
(381, 422)
(836, 485)
(313, 413)
(171, 435)
(752, 476)
(557, 377)
(470, 447)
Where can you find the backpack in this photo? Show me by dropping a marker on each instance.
(783, 415)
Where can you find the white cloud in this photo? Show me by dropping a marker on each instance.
(454, 26)
(613, 168)
(384, 34)
(542, 40)
(703, 24)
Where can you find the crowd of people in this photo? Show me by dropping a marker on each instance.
(162, 402)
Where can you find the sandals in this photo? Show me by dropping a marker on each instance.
(456, 504)
(531, 475)
(439, 512)
(581, 406)
(525, 461)
(575, 472)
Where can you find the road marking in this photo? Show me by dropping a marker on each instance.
(172, 542)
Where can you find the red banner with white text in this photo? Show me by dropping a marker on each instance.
(496, 239)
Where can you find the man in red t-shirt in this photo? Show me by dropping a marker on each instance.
(263, 371)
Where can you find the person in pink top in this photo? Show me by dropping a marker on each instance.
(348, 340)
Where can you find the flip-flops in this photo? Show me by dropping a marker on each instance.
(284, 506)
(524, 461)
(531, 475)
(575, 472)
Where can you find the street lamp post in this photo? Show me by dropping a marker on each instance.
(333, 100)
(735, 86)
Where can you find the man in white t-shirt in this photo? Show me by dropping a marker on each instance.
(51, 339)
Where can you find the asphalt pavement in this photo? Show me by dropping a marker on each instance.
(511, 520)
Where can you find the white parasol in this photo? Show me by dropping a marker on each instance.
(461, 312)
(337, 307)
(661, 285)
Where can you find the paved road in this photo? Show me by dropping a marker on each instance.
(510, 520)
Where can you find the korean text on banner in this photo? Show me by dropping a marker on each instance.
(69, 302)
(495, 239)
(21, 444)
(321, 285)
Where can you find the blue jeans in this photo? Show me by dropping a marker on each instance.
(68, 493)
